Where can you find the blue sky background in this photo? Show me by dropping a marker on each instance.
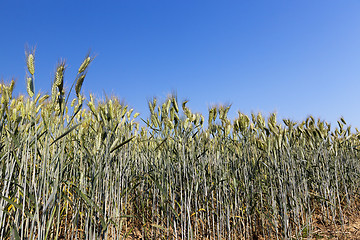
(293, 57)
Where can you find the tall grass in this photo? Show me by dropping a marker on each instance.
(75, 172)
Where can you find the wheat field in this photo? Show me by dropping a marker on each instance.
(88, 169)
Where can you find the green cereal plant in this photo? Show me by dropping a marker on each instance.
(30, 62)
(74, 172)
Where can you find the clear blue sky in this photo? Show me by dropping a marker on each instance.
(293, 57)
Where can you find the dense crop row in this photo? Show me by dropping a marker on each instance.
(89, 169)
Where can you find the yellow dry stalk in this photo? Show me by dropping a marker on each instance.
(169, 124)
(260, 121)
(172, 113)
(242, 123)
(92, 107)
(193, 117)
(226, 111)
(59, 75)
(30, 86)
(245, 122)
(57, 109)
(58, 78)
(81, 100)
(222, 113)
(184, 105)
(43, 98)
(253, 118)
(19, 104)
(54, 93)
(186, 124)
(211, 116)
(215, 113)
(321, 126)
(188, 113)
(123, 111)
(136, 115)
(272, 119)
(14, 115)
(97, 142)
(348, 131)
(137, 126)
(310, 122)
(27, 107)
(227, 128)
(199, 120)
(11, 88)
(319, 133)
(176, 118)
(237, 125)
(151, 108)
(287, 122)
(143, 133)
(343, 120)
(38, 108)
(129, 113)
(115, 143)
(30, 63)
(252, 127)
(79, 83)
(174, 102)
(83, 114)
(67, 117)
(163, 111)
(103, 116)
(154, 121)
(84, 64)
(196, 119)
(112, 112)
(22, 110)
(31, 107)
(278, 141)
(72, 104)
(37, 98)
(168, 102)
(92, 98)
(110, 104)
(260, 144)
(273, 128)
(12, 103)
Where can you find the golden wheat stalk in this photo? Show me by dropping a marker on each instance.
(30, 60)
(84, 64)
(30, 63)
(30, 86)
(53, 93)
(59, 74)
(79, 83)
